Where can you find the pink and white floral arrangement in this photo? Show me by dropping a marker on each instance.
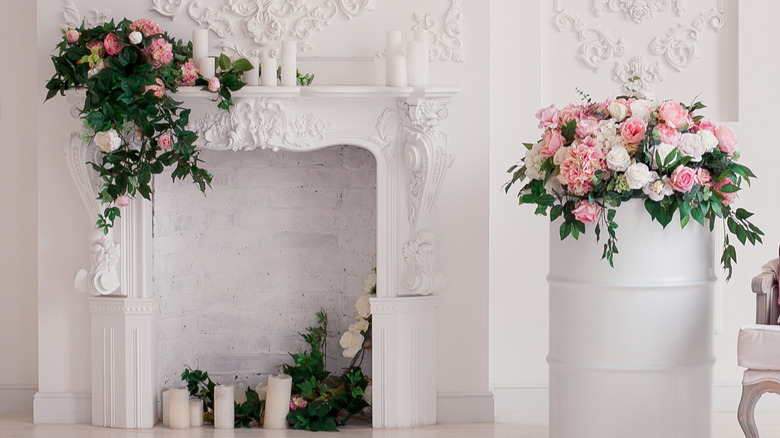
(595, 155)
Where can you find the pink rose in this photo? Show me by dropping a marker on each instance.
(159, 89)
(703, 125)
(569, 112)
(727, 142)
(633, 130)
(97, 44)
(165, 142)
(673, 113)
(683, 179)
(71, 36)
(189, 74)
(214, 84)
(586, 127)
(122, 201)
(728, 198)
(585, 212)
(548, 117)
(668, 134)
(702, 176)
(111, 44)
(551, 142)
(146, 27)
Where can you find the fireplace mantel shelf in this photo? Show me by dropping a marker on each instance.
(350, 91)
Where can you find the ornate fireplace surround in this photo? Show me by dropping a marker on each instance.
(404, 128)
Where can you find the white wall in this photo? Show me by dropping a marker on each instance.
(18, 193)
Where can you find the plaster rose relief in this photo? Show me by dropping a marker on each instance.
(638, 10)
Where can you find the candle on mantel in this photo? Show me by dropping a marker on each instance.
(252, 77)
(424, 37)
(166, 407)
(224, 399)
(207, 67)
(277, 402)
(395, 62)
(196, 412)
(414, 67)
(200, 45)
(268, 71)
(289, 63)
(179, 402)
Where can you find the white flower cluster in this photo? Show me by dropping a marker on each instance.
(354, 338)
(108, 141)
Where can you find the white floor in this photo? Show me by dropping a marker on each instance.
(724, 426)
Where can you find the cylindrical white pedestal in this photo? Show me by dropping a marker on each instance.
(631, 348)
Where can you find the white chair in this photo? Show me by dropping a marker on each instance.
(758, 348)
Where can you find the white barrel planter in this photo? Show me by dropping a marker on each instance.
(631, 348)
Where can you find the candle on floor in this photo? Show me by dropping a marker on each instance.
(414, 64)
(289, 63)
(196, 412)
(200, 45)
(224, 400)
(277, 402)
(252, 77)
(165, 406)
(268, 72)
(179, 402)
(424, 37)
(207, 67)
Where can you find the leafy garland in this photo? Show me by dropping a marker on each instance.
(246, 414)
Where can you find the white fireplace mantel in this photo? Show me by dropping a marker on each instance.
(404, 128)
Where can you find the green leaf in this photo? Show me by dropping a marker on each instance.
(223, 62)
(569, 130)
(242, 65)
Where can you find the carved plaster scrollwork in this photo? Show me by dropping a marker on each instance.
(637, 75)
(420, 255)
(73, 19)
(638, 10)
(447, 44)
(385, 127)
(678, 47)
(167, 8)
(261, 122)
(598, 45)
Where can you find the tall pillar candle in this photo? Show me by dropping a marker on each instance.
(200, 45)
(166, 406)
(196, 412)
(424, 37)
(395, 63)
(207, 67)
(414, 64)
(277, 402)
(289, 63)
(252, 77)
(179, 401)
(224, 399)
(268, 72)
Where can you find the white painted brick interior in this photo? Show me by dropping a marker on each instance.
(241, 271)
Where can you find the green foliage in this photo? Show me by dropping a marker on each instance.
(246, 414)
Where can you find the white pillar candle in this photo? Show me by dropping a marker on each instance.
(241, 388)
(289, 63)
(200, 45)
(268, 72)
(394, 43)
(196, 412)
(252, 77)
(179, 402)
(224, 400)
(277, 402)
(414, 64)
(166, 407)
(424, 37)
(396, 71)
(207, 67)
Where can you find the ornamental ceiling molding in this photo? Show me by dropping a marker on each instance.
(447, 43)
(598, 45)
(678, 46)
(73, 19)
(638, 10)
(261, 122)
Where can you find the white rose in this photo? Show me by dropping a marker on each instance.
(560, 155)
(533, 163)
(351, 342)
(637, 175)
(360, 325)
(108, 141)
(97, 68)
(708, 139)
(662, 150)
(657, 189)
(554, 187)
(369, 283)
(135, 37)
(618, 159)
(618, 110)
(363, 306)
(642, 109)
(691, 145)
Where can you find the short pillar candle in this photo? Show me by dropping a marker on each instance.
(277, 402)
(166, 407)
(268, 72)
(196, 412)
(224, 399)
(252, 77)
(289, 63)
(207, 67)
(179, 400)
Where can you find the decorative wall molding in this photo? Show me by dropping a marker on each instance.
(678, 46)
(167, 8)
(386, 125)
(638, 75)
(73, 19)
(638, 10)
(598, 45)
(447, 43)
(261, 122)
(102, 278)
(420, 256)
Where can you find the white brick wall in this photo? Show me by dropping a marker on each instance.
(241, 271)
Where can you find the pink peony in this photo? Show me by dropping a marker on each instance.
(702, 176)
(146, 27)
(570, 112)
(548, 117)
(703, 125)
(159, 89)
(683, 179)
(189, 74)
(160, 52)
(728, 198)
(633, 130)
(111, 44)
(97, 44)
(578, 166)
(585, 212)
(214, 84)
(727, 142)
(71, 36)
(122, 201)
(297, 402)
(165, 142)
(586, 127)
(673, 113)
(668, 134)
(551, 142)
